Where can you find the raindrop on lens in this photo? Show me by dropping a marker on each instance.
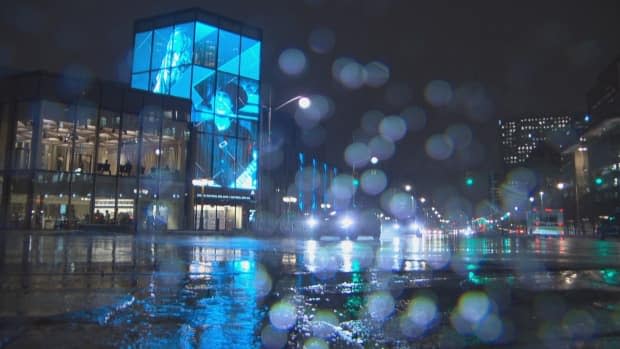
(292, 61)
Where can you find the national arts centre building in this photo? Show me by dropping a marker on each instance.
(177, 149)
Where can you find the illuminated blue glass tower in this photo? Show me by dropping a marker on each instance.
(215, 62)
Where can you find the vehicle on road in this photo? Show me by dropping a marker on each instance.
(349, 224)
(608, 226)
(547, 222)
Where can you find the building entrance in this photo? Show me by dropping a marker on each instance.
(218, 217)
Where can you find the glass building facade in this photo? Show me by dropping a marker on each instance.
(214, 63)
(82, 152)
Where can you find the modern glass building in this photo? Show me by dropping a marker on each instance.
(82, 152)
(213, 62)
(176, 149)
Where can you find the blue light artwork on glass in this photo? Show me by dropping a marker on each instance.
(142, 52)
(228, 52)
(219, 71)
(250, 58)
(140, 81)
(161, 54)
(205, 45)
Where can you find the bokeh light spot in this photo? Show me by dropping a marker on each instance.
(292, 61)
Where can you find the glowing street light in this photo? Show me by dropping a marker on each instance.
(374, 160)
(407, 187)
(422, 199)
(304, 102)
(561, 186)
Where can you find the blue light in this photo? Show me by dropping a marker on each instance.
(586, 118)
(219, 71)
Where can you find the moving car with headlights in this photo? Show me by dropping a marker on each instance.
(348, 224)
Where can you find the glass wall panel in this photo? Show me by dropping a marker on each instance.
(149, 213)
(204, 155)
(224, 161)
(51, 201)
(81, 196)
(107, 153)
(173, 149)
(249, 98)
(183, 44)
(142, 52)
(171, 200)
(228, 52)
(130, 137)
(57, 127)
(85, 135)
(105, 199)
(162, 45)
(248, 129)
(205, 46)
(23, 136)
(17, 217)
(180, 81)
(250, 58)
(160, 81)
(127, 193)
(140, 81)
(226, 95)
(203, 90)
(150, 144)
(247, 156)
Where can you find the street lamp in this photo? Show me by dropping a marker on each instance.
(202, 183)
(422, 199)
(374, 160)
(289, 200)
(561, 186)
(542, 206)
(407, 188)
(302, 101)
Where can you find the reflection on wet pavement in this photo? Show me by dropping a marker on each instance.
(210, 292)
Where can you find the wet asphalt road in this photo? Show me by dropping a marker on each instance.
(107, 290)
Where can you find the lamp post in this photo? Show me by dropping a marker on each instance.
(202, 183)
(302, 101)
(289, 200)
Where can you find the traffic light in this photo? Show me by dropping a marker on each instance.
(469, 181)
(598, 181)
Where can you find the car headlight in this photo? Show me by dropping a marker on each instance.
(346, 222)
(312, 222)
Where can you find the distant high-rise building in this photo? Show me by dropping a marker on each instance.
(520, 138)
(604, 97)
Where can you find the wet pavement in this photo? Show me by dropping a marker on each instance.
(108, 290)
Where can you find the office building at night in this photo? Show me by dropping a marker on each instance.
(76, 152)
(175, 149)
(520, 138)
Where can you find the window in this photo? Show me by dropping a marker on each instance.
(205, 45)
(142, 51)
(228, 52)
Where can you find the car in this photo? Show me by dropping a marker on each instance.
(608, 227)
(348, 224)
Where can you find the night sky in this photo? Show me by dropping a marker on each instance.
(491, 60)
